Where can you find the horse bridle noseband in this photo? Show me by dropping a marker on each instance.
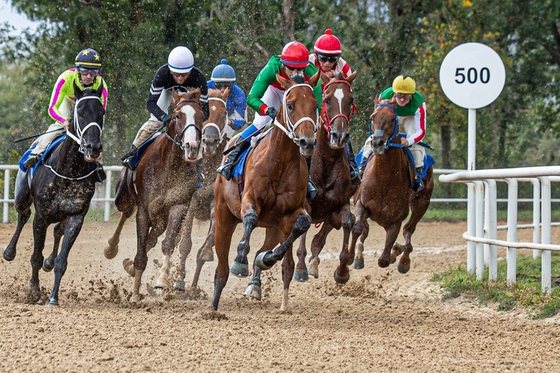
(178, 136)
(379, 133)
(325, 119)
(291, 127)
(221, 131)
(79, 138)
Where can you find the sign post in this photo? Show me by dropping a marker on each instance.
(472, 76)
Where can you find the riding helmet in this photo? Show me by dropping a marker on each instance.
(223, 73)
(181, 60)
(88, 59)
(404, 84)
(295, 55)
(328, 44)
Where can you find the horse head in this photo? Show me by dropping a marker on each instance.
(213, 130)
(338, 107)
(85, 126)
(384, 126)
(298, 115)
(185, 128)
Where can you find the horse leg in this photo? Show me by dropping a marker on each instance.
(23, 203)
(272, 238)
(240, 266)
(360, 231)
(176, 215)
(287, 275)
(141, 258)
(359, 254)
(300, 273)
(317, 245)
(185, 247)
(265, 260)
(205, 253)
(58, 232)
(225, 226)
(73, 226)
(151, 242)
(342, 272)
(39, 234)
(112, 247)
(391, 234)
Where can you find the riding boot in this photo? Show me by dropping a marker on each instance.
(199, 172)
(101, 172)
(31, 160)
(127, 158)
(311, 188)
(418, 184)
(354, 170)
(363, 164)
(226, 169)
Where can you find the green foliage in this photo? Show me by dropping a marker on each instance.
(525, 293)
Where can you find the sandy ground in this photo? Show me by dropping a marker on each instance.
(380, 321)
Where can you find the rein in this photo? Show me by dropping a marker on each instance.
(290, 129)
(179, 135)
(221, 131)
(379, 133)
(325, 119)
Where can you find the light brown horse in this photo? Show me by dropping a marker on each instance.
(161, 188)
(214, 140)
(275, 185)
(386, 195)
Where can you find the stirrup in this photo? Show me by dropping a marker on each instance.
(127, 162)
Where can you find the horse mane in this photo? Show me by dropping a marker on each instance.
(191, 94)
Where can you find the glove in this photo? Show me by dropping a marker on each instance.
(165, 119)
(271, 112)
(404, 141)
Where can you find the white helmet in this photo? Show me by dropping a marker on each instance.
(180, 60)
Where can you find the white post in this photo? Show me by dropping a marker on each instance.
(512, 230)
(471, 166)
(546, 261)
(536, 215)
(6, 205)
(491, 225)
(479, 193)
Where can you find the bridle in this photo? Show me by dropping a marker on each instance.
(179, 135)
(379, 133)
(325, 119)
(221, 131)
(290, 128)
(79, 137)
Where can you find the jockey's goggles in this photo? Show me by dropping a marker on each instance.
(85, 72)
(331, 59)
(222, 85)
(296, 69)
(180, 75)
(402, 95)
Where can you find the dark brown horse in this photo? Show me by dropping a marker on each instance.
(161, 188)
(386, 195)
(60, 188)
(274, 191)
(214, 140)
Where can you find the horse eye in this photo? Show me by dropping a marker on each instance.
(290, 106)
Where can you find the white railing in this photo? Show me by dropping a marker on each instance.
(482, 225)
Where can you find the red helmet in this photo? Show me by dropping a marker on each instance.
(328, 44)
(295, 55)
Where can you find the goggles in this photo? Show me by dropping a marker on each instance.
(91, 72)
(296, 69)
(331, 59)
(180, 75)
(222, 85)
(402, 95)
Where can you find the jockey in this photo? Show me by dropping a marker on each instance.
(411, 112)
(223, 76)
(84, 75)
(327, 58)
(266, 96)
(178, 73)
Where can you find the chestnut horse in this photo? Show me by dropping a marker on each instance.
(161, 188)
(214, 140)
(275, 185)
(60, 187)
(386, 195)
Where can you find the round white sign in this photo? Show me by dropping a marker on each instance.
(472, 75)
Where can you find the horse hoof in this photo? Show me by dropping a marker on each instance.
(48, 265)
(403, 268)
(206, 257)
(128, 266)
(260, 260)
(134, 299)
(301, 275)
(341, 280)
(359, 263)
(9, 255)
(110, 252)
(253, 291)
(179, 285)
(239, 269)
(161, 283)
(52, 303)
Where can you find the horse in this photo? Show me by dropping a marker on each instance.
(386, 194)
(60, 188)
(275, 185)
(214, 140)
(161, 188)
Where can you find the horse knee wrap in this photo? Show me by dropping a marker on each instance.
(250, 220)
(302, 224)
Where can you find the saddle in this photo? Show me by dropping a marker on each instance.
(239, 168)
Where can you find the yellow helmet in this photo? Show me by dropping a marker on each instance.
(404, 84)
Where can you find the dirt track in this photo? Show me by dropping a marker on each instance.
(380, 321)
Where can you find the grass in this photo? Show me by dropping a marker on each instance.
(525, 293)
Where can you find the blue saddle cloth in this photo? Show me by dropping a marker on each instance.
(141, 150)
(428, 160)
(240, 166)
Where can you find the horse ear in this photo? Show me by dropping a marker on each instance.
(377, 100)
(325, 78)
(283, 82)
(314, 79)
(352, 76)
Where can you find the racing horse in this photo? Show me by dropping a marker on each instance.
(214, 139)
(275, 184)
(60, 188)
(161, 188)
(386, 194)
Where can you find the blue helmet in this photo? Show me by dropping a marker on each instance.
(223, 73)
(88, 59)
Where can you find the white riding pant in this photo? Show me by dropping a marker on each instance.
(418, 151)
